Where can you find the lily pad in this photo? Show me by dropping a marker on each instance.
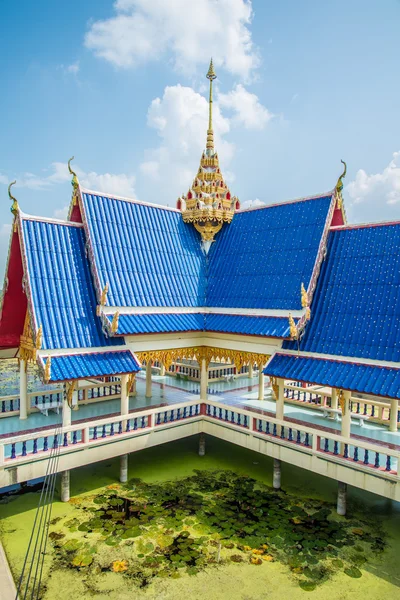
(353, 572)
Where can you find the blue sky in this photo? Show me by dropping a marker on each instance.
(301, 84)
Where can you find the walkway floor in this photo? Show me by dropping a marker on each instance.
(7, 586)
(167, 391)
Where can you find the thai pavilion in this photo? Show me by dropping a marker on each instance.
(289, 289)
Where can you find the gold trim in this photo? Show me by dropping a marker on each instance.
(14, 206)
(114, 322)
(47, 370)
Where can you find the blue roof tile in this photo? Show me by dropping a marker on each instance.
(147, 254)
(96, 364)
(63, 297)
(261, 259)
(366, 379)
(356, 305)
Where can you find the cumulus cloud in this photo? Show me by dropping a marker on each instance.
(180, 118)
(252, 203)
(378, 193)
(141, 31)
(246, 107)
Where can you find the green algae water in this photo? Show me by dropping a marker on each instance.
(209, 527)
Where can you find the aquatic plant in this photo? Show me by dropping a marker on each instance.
(166, 529)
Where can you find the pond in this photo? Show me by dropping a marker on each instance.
(209, 527)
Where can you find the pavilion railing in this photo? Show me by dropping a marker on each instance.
(361, 455)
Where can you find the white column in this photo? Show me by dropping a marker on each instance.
(148, 378)
(23, 390)
(260, 384)
(280, 401)
(65, 489)
(346, 415)
(123, 471)
(251, 374)
(394, 407)
(341, 498)
(334, 399)
(124, 395)
(162, 370)
(203, 380)
(276, 482)
(66, 413)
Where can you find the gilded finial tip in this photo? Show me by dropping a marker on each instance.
(74, 182)
(211, 73)
(14, 206)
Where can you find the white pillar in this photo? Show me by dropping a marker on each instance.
(148, 378)
(341, 498)
(203, 380)
(260, 384)
(346, 415)
(394, 407)
(123, 471)
(202, 444)
(124, 395)
(66, 413)
(280, 401)
(334, 399)
(277, 474)
(133, 390)
(251, 369)
(162, 370)
(23, 390)
(65, 491)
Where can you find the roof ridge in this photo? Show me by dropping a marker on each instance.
(364, 225)
(27, 217)
(126, 199)
(294, 201)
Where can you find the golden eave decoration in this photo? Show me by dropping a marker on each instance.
(114, 322)
(208, 203)
(14, 206)
(292, 327)
(47, 370)
(339, 185)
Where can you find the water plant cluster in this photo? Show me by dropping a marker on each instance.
(168, 529)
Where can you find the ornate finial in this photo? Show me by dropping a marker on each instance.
(114, 322)
(129, 383)
(39, 338)
(293, 328)
(47, 370)
(304, 296)
(339, 185)
(210, 134)
(74, 182)
(103, 299)
(14, 206)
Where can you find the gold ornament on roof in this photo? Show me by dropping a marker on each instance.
(14, 206)
(293, 328)
(74, 182)
(305, 302)
(47, 370)
(39, 338)
(339, 186)
(129, 383)
(114, 322)
(208, 203)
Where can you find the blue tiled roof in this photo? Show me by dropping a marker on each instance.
(129, 324)
(96, 364)
(367, 379)
(261, 259)
(159, 323)
(62, 290)
(147, 255)
(248, 325)
(356, 306)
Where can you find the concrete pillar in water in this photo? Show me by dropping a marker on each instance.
(124, 395)
(341, 498)
(277, 474)
(162, 370)
(123, 471)
(394, 407)
(148, 378)
(202, 444)
(260, 384)
(203, 380)
(251, 371)
(65, 491)
(23, 390)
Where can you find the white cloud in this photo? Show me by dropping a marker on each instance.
(189, 32)
(247, 109)
(120, 185)
(180, 118)
(5, 230)
(3, 179)
(252, 203)
(378, 193)
(61, 213)
(74, 68)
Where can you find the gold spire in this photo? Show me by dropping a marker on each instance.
(339, 185)
(14, 206)
(210, 134)
(74, 182)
